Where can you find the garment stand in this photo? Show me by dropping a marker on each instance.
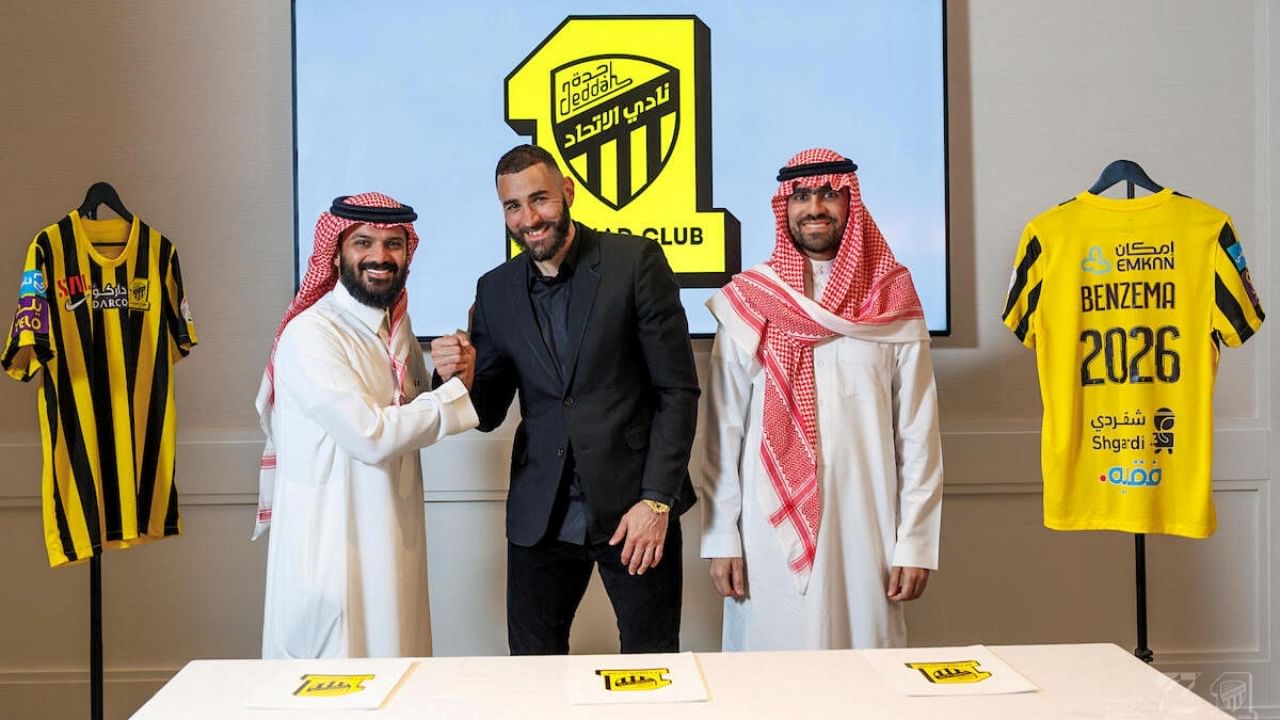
(99, 193)
(1139, 564)
(95, 637)
(1132, 173)
(1140, 571)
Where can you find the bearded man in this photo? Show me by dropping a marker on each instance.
(346, 405)
(823, 465)
(588, 328)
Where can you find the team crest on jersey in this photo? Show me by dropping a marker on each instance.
(331, 685)
(139, 295)
(953, 672)
(634, 679)
(624, 105)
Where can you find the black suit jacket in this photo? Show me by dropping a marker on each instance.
(628, 404)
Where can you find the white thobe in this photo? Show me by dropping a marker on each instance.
(347, 562)
(880, 473)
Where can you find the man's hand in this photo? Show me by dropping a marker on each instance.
(645, 532)
(907, 583)
(454, 355)
(729, 576)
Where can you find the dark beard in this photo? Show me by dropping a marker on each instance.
(381, 299)
(817, 245)
(559, 235)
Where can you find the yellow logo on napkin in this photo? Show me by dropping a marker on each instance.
(951, 673)
(330, 685)
(634, 679)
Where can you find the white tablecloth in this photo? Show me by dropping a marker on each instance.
(1075, 681)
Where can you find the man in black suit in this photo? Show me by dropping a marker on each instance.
(588, 328)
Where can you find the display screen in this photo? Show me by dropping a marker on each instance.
(671, 118)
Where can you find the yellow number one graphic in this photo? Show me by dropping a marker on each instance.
(624, 103)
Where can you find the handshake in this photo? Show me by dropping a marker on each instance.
(454, 356)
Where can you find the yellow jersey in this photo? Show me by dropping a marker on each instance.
(1126, 303)
(106, 332)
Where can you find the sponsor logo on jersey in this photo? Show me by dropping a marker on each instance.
(32, 284)
(952, 672)
(1095, 262)
(633, 679)
(76, 290)
(1247, 279)
(624, 104)
(331, 685)
(1106, 428)
(32, 316)
(111, 296)
(1236, 253)
(1139, 256)
(1136, 475)
(1162, 440)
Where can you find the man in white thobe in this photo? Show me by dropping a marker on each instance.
(822, 479)
(346, 406)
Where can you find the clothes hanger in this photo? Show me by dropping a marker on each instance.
(101, 193)
(1133, 174)
(1128, 171)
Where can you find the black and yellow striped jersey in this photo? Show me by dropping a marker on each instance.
(106, 329)
(1126, 303)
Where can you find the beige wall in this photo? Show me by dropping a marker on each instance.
(185, 107)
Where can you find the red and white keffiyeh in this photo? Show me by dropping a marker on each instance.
(866, 286)
(321, 278)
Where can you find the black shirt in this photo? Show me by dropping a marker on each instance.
(550, 299)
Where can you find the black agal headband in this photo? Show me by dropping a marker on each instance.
(832, 167)
(364, 213)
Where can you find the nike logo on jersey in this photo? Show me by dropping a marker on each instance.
(73, 305)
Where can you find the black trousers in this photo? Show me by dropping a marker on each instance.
(546, 582)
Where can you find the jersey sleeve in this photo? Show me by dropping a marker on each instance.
(177, 311)
(27, 347)
(1237, 313)
(1024, 289)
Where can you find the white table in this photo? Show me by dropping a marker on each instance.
(1075, 681)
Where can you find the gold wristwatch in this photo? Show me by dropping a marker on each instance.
(658, 507)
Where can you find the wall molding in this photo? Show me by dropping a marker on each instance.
(222, 467)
